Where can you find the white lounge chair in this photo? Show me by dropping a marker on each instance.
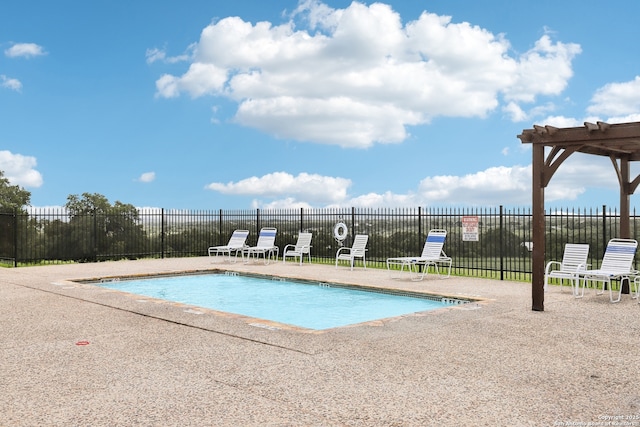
(617, 263)
(432, 255)
(357, 250)
(302, 247)
(574, 261)
(236, 244)
(265, 246)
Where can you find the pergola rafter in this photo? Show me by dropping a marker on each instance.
(620, 142)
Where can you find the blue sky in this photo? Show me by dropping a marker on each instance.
(275, 104)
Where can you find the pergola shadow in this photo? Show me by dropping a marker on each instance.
(620, 142)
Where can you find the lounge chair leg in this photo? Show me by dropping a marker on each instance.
(620, 291)
(576, 294)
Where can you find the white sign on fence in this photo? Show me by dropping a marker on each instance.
(470, 229)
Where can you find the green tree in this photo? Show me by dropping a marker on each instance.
(496, 242)
(99, 229)
(13, 200)
(12, 196)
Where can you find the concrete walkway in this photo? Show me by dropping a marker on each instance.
(78, 355)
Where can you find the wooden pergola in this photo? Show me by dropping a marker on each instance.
(619, 142)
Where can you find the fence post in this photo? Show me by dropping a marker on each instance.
(420, 222)
(15, 237)
(604, 226)
(301, 219)
(258, 221)
(220, 228)
(501, 243)
(162, 233)
(353, 221)
(95, 236)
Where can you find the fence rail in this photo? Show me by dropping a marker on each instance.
(501, 251)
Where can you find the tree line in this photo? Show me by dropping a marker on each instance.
(91, 228)
(117, 224)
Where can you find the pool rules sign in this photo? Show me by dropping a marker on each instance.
(470, 229)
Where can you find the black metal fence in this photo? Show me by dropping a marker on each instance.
(501, 251)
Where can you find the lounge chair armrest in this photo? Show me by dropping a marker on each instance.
(340, 249)
(582, 267)
(550, 264)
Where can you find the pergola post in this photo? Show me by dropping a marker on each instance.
(625, 232)
(537, 280)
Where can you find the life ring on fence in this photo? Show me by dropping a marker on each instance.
(340, 231)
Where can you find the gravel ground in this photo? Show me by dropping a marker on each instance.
(74, 354)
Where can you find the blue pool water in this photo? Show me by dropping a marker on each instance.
(307, 305)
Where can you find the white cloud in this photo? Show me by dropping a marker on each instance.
(147, 177)
(617, 99)
(26, 50)
(512, 185)
(311, 187)
(624, 119)
(387, 199)
(287, 203)
(17, 50)
(167, 86)
(9, 83)
(155, 55)
(352, 122)
(491, 187)
(201, 79)
(358, 76)
(561, 122)
(516, 113)
(612, 103)
(494, 185)
(501, 185)
(19, 169)
(544, 70)
(579, 173)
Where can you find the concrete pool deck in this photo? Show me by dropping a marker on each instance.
(74, 354)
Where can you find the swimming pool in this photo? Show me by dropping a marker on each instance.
(310, 305)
